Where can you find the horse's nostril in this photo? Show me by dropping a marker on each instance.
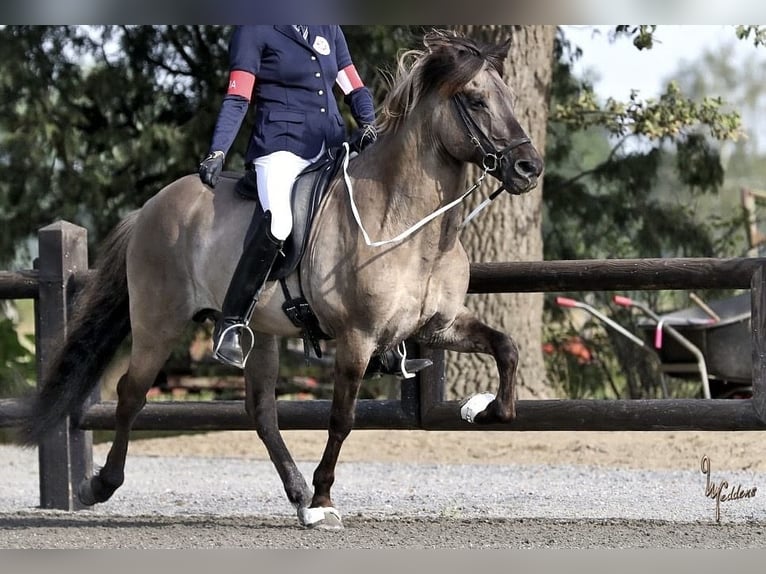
(528, 167)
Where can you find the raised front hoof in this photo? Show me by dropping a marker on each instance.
(92, 491)
(322, 518)
(484, 408)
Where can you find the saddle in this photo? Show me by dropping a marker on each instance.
(309, 190)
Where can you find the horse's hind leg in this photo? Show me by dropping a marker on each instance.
(148, 355)
(261, 372)
(469, 335)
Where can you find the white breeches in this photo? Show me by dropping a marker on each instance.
(276, 173)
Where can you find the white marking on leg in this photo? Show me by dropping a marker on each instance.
(474, 405)
(313, 516)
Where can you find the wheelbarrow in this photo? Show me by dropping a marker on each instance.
(720, 331)
(695, 336)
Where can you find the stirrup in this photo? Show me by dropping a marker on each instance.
(395, 362)
(222, 336)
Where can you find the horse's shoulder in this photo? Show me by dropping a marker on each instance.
(452, 269)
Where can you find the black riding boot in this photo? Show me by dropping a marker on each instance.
(261, 250)
(390, 363)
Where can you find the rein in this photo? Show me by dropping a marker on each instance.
(492, 160)
(404, 234)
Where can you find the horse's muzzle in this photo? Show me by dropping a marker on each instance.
(529, 168)
(523, 175)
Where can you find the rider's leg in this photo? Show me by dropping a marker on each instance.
(275, 173)
(261, 250)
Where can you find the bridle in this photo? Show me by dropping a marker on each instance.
(492, 157)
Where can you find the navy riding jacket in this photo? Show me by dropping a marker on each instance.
(292, 92)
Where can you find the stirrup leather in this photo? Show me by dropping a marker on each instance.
(219, 341)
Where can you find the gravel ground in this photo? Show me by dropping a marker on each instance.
(202, 501)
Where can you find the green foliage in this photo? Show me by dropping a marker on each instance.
(643, 35)
(17, 365)
(758, 33)
(670, 116)
(97, 119)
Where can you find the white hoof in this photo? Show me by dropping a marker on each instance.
(474, 405)
(324, 517)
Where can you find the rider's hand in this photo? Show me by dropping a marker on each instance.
(363, 137)
(211, 167)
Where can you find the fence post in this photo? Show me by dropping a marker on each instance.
(66, 456)
(758, 325)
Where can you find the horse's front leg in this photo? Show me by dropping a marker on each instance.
(261, 372)
(467, 334)
(350, 363)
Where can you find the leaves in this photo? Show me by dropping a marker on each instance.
(672, 116)
(97, 119)
(17, 366)
(758, 33)
(643, 35)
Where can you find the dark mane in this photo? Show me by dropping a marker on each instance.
(447, 63)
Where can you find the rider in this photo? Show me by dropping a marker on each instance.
(289, 72)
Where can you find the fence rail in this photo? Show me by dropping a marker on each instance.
(613, 275)
(66, 458)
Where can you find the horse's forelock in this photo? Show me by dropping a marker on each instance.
(448, 63)
(452, 61)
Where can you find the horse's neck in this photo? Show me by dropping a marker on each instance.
(403, 182)
(415, 177)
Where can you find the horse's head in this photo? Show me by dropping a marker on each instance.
(498, 143)
(459, 83)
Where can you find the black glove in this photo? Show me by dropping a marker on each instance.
(211, 167)
(363, 137)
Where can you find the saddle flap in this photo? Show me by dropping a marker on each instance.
(309, 189)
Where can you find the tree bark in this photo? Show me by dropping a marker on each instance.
(510, 228)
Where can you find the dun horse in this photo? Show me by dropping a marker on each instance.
(169, 262)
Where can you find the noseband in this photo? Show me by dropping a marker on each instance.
(492, 157)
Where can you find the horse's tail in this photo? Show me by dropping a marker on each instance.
(99, 324)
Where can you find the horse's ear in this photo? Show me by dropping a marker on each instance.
(497, 56)
(504, 48)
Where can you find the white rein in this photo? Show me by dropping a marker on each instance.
(420, 223)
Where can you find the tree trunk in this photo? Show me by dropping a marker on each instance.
(510, 228)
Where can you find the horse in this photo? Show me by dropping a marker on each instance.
(169, 262)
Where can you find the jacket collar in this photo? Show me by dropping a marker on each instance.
(290, 31)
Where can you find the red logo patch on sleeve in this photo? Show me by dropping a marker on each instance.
(241, 83)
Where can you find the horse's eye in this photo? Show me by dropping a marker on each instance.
(476, 102)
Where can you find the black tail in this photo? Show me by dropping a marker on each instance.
(99, 324)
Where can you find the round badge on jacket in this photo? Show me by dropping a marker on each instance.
(321, 45)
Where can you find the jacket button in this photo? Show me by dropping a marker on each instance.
(318, 75)
(320, 92)
(313, 57)
(322, 110)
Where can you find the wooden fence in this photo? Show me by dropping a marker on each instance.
(66, 458)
